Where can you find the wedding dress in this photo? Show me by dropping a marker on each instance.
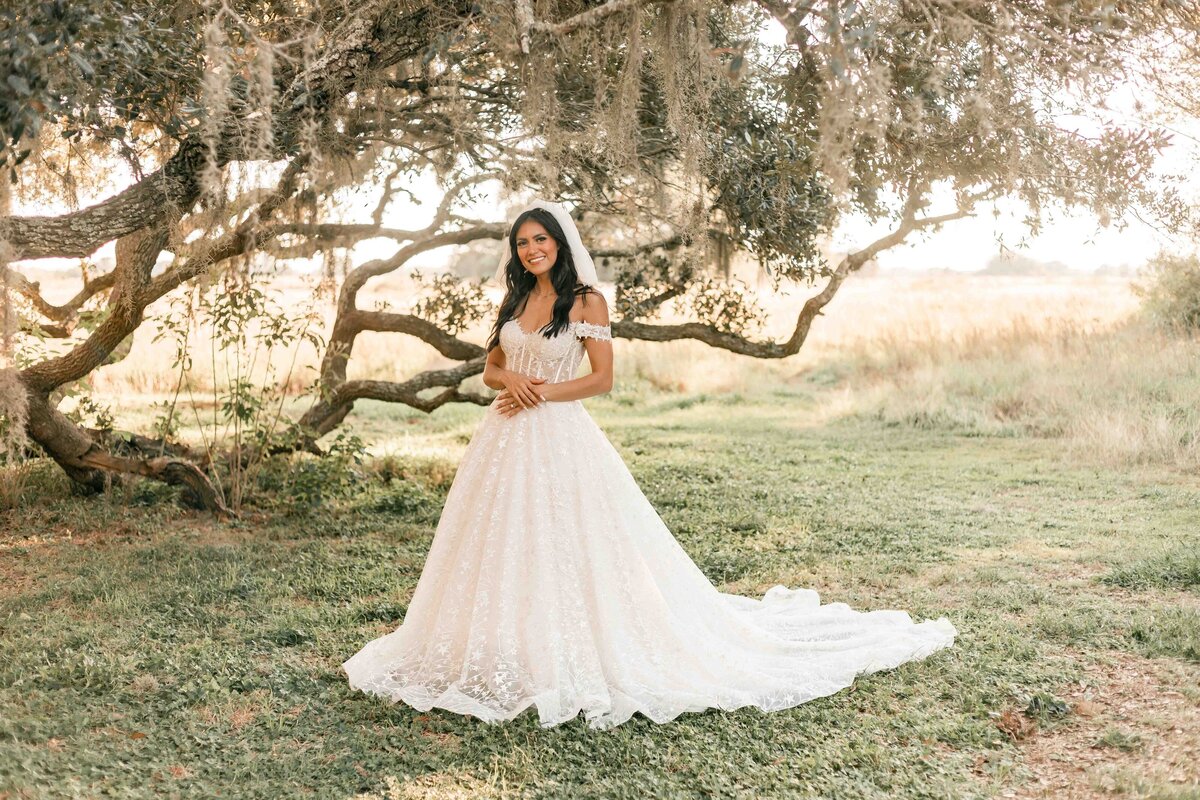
(552, 582)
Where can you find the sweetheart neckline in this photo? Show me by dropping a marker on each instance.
(515, 321)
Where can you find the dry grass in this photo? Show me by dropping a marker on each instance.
(1061, 357)
(13, 480)
(1115, 391)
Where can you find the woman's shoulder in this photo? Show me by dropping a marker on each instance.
(590, 306)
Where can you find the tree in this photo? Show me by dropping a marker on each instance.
(663, 122)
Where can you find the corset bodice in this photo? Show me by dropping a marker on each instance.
(556, 359)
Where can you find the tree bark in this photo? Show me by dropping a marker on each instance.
(89, 465)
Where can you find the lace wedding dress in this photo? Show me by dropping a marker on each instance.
(552, 582)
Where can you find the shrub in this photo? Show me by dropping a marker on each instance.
(1171, 291)
(299, 482)
(408, 500)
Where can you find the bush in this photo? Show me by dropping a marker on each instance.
(407, 500)
(1171, 291)
(299, 482)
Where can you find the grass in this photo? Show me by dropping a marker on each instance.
(1119, 739)
(146, 651)
(1012, 454)
(1176, 566)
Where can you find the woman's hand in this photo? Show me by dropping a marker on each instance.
(506, 405)
(522, 389)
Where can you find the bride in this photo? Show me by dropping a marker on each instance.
(551, 580)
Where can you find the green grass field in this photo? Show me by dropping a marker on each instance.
(146, 651)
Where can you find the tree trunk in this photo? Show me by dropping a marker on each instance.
(89, 465)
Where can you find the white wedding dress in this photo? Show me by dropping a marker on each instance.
(552, 582)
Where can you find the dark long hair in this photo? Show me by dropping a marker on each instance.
(518, 282)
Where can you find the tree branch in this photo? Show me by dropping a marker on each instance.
(326, 414)
(335, 232)
(125, 314)
(134, 289)
(373, 269)
(32, 291)
(376, 37)
(145, 204)
(669, 243)
(446, 344)
(247, 236)
(585, 19)
(735, 343)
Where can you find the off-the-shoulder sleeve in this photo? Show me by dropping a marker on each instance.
(603, 332)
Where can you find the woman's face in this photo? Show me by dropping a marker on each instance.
(536, 247)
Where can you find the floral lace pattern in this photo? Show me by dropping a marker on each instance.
(602, 332)
(552, 582)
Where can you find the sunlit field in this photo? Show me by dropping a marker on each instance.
(1018, 454)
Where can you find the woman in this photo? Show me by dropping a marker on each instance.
(551, 580)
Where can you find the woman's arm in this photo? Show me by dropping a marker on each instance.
(522, 387)
(600, 357)
(493, 368)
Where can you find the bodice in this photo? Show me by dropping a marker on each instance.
(556, 359)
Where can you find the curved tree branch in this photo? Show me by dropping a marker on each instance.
(32, 291)
(125, 314)
(328, 412)
(667, 243)
(382, 321)
(714, 337)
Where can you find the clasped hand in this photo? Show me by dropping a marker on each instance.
(519, 392)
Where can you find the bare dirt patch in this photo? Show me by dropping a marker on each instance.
(1134, 731)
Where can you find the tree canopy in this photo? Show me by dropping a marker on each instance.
(220, 134)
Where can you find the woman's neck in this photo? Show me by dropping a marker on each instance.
(543, 287)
